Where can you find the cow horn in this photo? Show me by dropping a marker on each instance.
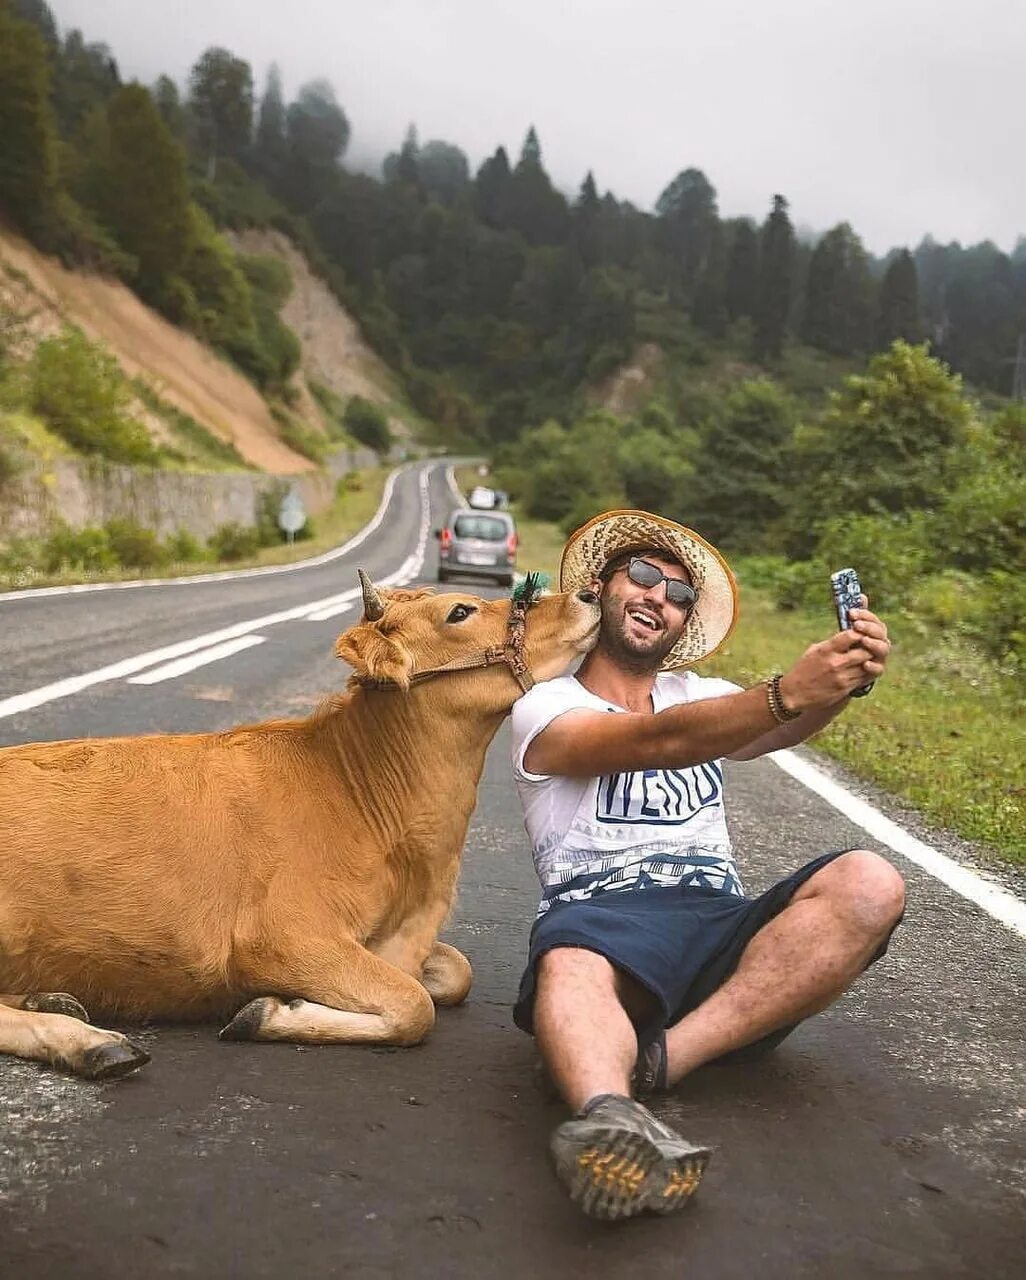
(373, 605)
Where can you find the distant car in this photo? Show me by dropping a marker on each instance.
(482, 498)
(478, 543)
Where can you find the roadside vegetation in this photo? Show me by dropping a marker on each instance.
(123, 549)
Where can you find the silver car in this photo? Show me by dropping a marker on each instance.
(478, 543)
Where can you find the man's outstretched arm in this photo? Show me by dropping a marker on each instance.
(810, 722)
(587, 744)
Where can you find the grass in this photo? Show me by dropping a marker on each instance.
(351, 510)
(945, 731)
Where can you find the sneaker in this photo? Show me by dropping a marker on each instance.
(650, 1070)
(616, 1160)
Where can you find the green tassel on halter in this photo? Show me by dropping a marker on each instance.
(533, 585)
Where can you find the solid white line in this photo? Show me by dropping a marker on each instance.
(170, 670)
(225, 575)
(992, 898)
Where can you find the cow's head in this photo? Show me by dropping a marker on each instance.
(408, 632)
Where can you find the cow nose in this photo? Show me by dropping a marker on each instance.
(588, 597)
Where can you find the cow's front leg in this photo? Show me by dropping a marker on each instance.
(68, 1043)
(349, 996)
(447, 974)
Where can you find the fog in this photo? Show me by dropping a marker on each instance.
(899, 116)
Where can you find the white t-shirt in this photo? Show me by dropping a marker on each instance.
(626, 830)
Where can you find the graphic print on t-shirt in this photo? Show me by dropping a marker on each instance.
(659, 797)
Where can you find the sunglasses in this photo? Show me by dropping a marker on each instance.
(646, 574)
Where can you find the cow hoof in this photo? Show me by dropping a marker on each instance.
(55, 1002)
(251, 1017)
(111, 1061)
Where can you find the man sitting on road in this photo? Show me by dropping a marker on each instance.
(647, 959)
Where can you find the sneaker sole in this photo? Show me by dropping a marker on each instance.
(615, 1173)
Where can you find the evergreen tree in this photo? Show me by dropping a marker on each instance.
(221, 99)
(586, 210)
(742, 288)
(28, 151)
(41, 16)
(898, 310)
(444, 172)
(838, 294)
(533, 206)
(169, 104)
(688, 216)
(530, 152)
(491, 187)
(710, 307)
(86, 76)
(272, 126)
(145, 189)
(318, 134)
(776, 254)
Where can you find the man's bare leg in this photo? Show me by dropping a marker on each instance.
(798, 964)
(614, 1157)
(581, 1027)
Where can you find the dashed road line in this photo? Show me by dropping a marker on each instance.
(171, 670)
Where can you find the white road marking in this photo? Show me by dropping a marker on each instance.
(990, 897)
(170, 670)
(322, 615)
(410, 567)
(225, 575)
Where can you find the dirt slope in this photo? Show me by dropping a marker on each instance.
(334, 351)
(624, 391)
(179, 368)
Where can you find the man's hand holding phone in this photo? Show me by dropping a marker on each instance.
(833, 670)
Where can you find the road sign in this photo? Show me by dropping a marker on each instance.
(291, 514)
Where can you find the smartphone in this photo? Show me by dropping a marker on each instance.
(846, 590)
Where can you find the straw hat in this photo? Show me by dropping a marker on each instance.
(590, 548)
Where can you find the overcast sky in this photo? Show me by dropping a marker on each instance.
(899, 116)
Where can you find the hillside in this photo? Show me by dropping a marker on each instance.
(179, 368)
(334, 351)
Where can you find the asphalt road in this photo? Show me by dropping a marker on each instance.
(886, 1137)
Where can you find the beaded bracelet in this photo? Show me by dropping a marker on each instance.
(779, 712)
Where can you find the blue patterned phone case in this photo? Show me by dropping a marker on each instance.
(846, 591)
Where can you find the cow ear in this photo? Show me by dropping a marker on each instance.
(370, 653)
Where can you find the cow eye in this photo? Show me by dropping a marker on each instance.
(460, 612)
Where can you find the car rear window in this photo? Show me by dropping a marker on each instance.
(485, 527)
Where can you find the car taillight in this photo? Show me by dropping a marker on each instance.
(511, 544)
(446, 542)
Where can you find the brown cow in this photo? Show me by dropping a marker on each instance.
(301, 868)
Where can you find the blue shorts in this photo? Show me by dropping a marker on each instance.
(680, 943)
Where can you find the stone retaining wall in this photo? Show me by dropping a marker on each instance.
(83, 492)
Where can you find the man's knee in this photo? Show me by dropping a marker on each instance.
(866, 888)
(572, 965)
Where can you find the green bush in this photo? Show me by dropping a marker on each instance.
(79, 390)
(184, 548)
(8, 465)
(233, 541)
(367, 423)
(297, 435)
(1001, 626)
(134, 546)
(88, 549)
(892, 554)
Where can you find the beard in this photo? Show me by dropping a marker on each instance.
(639, 655)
